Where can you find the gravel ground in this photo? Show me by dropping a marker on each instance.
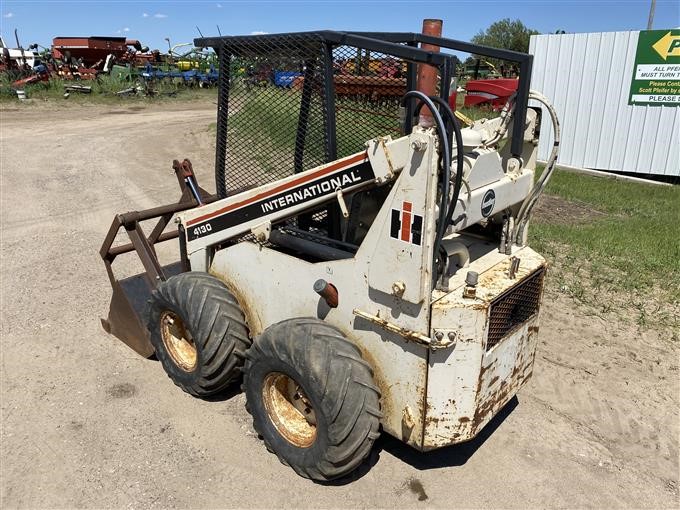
(87, 423)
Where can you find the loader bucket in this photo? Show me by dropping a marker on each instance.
(128, 314)
(127, 317)
(126, 320)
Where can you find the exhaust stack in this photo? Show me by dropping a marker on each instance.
(427, 74)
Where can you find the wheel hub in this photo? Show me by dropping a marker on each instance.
(289, 409)
(178, 341)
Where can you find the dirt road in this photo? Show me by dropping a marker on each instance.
(87, 423)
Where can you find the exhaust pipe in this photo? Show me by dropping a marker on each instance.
(427, 74)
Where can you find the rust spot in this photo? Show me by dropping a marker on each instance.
(431, 420)
(491, 406)
(520, 374)
(493, 380)
(469, 340)
(406, 334)
(483, 370)
(533, 329)
(467, 304)
(463, 419)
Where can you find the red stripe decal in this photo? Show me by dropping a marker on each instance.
(406, 222)
(320, 173)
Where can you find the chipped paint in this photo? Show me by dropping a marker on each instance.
(407, 334)
(483, 380)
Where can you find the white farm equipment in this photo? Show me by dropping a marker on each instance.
(388, 287)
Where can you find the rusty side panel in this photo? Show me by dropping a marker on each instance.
(469, 384)
(452, 377)
(505, 369)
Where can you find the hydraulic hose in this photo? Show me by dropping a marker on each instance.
(441, 131)
(459, 165)
(527, 206)
(445, 138)
(505, 116)
(459, 161)
(446, 205)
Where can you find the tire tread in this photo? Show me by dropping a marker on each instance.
(218, 326)
(342, 381)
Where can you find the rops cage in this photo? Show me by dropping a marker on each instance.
(289, 102)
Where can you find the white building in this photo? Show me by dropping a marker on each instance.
(588, 79)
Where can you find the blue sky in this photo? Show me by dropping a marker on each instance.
(152, 21)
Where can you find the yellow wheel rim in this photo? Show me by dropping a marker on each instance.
(178, 341)
(289, 409)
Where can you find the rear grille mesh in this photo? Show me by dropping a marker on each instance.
(514, 307)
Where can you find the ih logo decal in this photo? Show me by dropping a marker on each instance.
(405, 225)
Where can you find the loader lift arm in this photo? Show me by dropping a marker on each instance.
(125, 319)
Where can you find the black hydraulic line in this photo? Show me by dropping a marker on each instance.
(449, 137)
(459, 159)
(458, 184)
(441, 131)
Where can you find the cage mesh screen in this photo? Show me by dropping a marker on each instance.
(291, 102)
(264, 110)
(368, 88)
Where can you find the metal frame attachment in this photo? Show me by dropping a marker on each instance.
(126, 314)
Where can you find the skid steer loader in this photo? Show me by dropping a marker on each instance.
(359, 270)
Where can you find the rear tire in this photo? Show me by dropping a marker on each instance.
(312, 398)
(199, 332)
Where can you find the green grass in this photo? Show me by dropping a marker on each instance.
(630, 255)
(265, 119)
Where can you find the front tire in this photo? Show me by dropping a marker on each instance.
(312, 398)
(199, 332)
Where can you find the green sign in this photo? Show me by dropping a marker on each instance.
(656, 73)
